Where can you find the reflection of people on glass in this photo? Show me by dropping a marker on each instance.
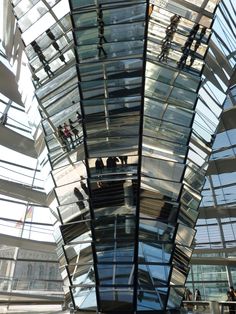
(150, 9)
(99, 184)
(78, 116)
(84, 186)
(123, 160)
(99, 165)
(101, 51)
(63, 138)
(73, 129)
(109, 163)
(188, 295)
(68, 134)
(80, 197)
(114, 161)
(101, 36)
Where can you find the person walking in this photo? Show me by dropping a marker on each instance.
(68, 134)
(63, 138)
(74, 130)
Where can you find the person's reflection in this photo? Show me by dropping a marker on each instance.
(101, 51)
(150, 9)
(101, 36)
(68, 134)
(109, 163)
(80, 197)
(99, 13)
(78, 115)
(84, 186)
(63, 138)
(123, 160)
(114, 161)
(74, 130)
(99, 165)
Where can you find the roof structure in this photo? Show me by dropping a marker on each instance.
(141, 86)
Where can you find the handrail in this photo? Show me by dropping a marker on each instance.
(216, 307)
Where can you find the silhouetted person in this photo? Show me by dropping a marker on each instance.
(123, 160)
(101, 36)
(99, 165)
(62, 58)
(84, 186)
(73, 129)
(3, 119)
(101, 51)
(48, 70)
(114, 161)
(99, 13)
(80, 197)
(78, 194)
(50, 34)
(36, 47)
(78, 116)
(109, 163)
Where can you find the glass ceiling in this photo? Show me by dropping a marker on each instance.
(90, 66)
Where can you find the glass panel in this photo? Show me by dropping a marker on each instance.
(163, 149)
(116, 145)
(77, 254)
(165, 170)
(175, 297)
(150, 276)
(112, 228)
(113, 197)
(155, 252)
(116, 299)
(165, 131)
(73, 192)
(85, 297)
(182, 255)
(152, 206)
(155, 231)
(82, 275)
(178, 276)
(117, 251)
(115, 274)
(185, 235)
(169, 189)
(152, 300)
(76, 232)
(76, 211)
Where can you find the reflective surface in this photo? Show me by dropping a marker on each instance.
(125, 122)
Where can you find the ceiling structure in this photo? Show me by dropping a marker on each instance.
(147, 82)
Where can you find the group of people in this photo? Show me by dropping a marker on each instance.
(189, 296)
(231, 296)
(111, 163)
(101, 36)
(42, 58)
(167, 40)
(67, 132)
